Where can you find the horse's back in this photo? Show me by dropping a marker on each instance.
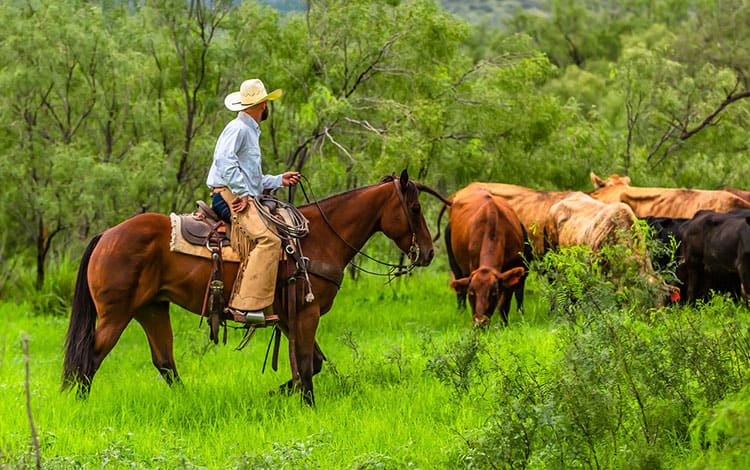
(140, 228)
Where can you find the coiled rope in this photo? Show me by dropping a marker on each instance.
(295, 228)
(291, 230)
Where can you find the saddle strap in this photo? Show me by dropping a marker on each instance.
(213, 301)
(276, 344)
(291, 308)
(326, 271)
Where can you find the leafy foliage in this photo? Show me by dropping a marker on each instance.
(115, 111)
(625, 390)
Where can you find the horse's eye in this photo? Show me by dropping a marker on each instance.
(416, 209)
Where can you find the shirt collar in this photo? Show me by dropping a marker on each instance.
(248, 121)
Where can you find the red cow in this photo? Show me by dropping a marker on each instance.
(486, 246)
(531, 206)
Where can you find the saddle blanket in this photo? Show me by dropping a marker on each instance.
(177, 243)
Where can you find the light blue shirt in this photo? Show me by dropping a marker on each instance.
(237, 163)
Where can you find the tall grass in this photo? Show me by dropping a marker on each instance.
(376, 406)
(408, 384)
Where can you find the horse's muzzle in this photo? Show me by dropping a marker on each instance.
(427, 258)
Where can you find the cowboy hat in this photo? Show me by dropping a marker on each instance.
(251, 92)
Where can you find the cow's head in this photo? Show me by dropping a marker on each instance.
(613, 180)
(664, 294)
(487, 288)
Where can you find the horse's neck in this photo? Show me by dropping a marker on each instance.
(349, 220)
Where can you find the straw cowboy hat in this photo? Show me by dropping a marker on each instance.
(251, 92)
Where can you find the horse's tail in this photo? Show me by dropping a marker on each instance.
(79, 365)
(440, 217)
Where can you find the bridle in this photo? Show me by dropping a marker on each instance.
(395, 270)
(414, 247)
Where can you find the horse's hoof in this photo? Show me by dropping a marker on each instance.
(283, 390)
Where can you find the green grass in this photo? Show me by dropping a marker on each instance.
(375, 403)
(407, 385)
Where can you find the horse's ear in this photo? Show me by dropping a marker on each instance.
(404, 178)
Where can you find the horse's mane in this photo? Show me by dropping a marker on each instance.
(385, 179)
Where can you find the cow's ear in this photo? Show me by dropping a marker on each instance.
(511, 277)
(404, 179)
(460, 285)
(596, 181)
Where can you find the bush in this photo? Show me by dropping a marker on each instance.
(55, 295)
(625, 387)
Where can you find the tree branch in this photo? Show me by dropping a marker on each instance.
(731, 98)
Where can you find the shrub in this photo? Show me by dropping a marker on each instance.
(623, 390)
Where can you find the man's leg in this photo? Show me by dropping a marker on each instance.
(256, 280)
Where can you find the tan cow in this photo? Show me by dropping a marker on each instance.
(664, 202)
(580, 220)
(531, 206)
(740, 193)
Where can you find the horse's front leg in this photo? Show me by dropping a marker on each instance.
(318, 358)
(303, 350)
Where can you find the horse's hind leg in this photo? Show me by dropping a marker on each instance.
(154, 318)
(108, 332)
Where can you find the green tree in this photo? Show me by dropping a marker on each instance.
(52, 94)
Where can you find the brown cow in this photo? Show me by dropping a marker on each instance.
(580, 220)
(486, 245)
(531, 206)
(664, 202)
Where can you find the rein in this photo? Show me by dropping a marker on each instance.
(397, 268)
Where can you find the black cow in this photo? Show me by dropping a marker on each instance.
(666, 230)
(716, 250)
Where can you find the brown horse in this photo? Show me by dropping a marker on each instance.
(128, 272)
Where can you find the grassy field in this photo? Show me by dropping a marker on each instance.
(407, 385)
(376, 406)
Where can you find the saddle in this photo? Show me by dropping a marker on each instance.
(205, 227)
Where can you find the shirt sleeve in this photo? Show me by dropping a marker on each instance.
(272, 181)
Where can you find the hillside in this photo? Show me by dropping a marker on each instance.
(490, 11)
(475, 11)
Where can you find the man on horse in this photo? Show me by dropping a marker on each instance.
(236, 178)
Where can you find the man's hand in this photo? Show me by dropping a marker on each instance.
(239, 204)
(290, 178)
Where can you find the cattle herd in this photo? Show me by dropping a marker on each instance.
(494, 229)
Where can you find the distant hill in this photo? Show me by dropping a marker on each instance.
(285, 5)
(491, 12)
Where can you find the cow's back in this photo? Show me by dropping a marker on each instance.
(484, 230)
(580, 220)
(740, 193)
(530, 205)
(680, 203)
